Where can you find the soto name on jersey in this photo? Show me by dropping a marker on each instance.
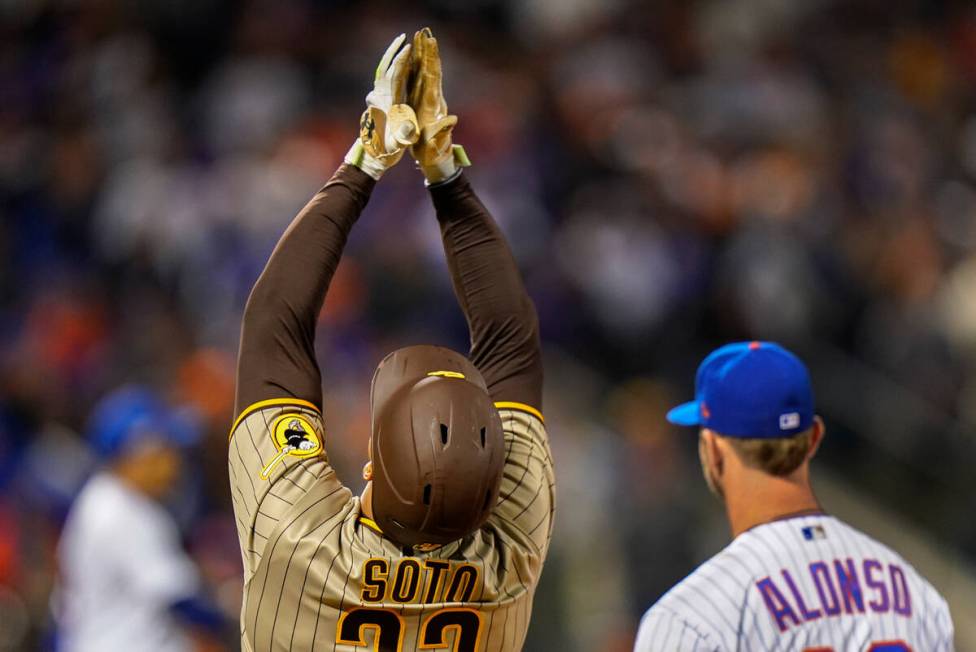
(410, 579)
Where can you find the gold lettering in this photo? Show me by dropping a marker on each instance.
(375, 573)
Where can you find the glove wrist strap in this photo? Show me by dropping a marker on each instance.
(443, 182)
(358, 157)
(448, 168)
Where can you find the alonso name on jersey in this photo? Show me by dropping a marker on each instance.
(842, 586)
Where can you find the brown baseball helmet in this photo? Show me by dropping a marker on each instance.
(437, 446)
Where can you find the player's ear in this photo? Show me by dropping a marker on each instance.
(816, 436)
(711, 451)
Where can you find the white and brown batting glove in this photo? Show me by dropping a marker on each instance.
(388, 125)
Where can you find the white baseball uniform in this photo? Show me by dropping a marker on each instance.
(807, 583)
(121, 567)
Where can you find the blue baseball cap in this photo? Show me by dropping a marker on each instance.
(750, 390)
(134, 413)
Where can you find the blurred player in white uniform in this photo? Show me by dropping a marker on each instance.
(793, 577)
(126, 585)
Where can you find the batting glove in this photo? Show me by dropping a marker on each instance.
(388, 125)
(435, 155)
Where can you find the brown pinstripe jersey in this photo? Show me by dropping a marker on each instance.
(320, 577)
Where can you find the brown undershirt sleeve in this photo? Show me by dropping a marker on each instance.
(277, 353)
(501, 317)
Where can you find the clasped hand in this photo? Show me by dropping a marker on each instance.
(406, 109)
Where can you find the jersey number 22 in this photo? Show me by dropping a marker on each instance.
(388, 629)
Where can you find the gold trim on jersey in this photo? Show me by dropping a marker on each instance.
(522, 407)
(371, 524)
(420, 547)
(271, 402)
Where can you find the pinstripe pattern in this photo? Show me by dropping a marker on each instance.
(720, 607)
(304, 547)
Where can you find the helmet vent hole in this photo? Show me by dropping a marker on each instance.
(444, 434)
(426, 494)
(482, 436)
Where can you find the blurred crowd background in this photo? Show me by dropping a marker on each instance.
(672, 175)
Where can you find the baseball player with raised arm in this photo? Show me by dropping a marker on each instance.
(793, 578)
(445, 546)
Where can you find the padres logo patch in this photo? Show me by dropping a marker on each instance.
(293, 435)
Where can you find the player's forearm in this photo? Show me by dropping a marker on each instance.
(277, 354)
(501, 317)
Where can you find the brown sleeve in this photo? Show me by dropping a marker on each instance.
(501, 317)
(277, 354)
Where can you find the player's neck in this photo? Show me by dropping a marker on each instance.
(756, 498)
(366, 501)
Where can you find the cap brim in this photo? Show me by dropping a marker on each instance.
(686, 414)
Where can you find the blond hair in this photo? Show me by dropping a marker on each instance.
(780, 456)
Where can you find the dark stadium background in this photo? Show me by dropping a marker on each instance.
(672, 175)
